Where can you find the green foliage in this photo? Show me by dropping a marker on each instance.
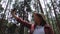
(4, 21)
(0, 0)
(58, 16)
(9, 24)
(20, 7)
(1, 8)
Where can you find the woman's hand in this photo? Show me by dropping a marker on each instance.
(20, 20)
(13, 12)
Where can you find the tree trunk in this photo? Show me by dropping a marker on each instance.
(57, 21)
(40, 6)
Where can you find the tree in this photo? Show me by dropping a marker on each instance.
(54, 8)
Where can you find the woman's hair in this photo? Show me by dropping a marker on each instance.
(43, 22)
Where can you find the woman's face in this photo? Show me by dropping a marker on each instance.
(37, 19)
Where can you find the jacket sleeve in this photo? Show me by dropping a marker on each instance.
(25, 23)
(51, 30)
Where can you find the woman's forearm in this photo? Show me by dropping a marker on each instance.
(20, 20)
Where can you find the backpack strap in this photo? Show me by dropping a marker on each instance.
(32, 28)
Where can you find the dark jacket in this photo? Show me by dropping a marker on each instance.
(47, 28)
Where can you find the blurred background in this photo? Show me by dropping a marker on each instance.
(25, 9)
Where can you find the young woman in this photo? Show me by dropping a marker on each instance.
(40, 26)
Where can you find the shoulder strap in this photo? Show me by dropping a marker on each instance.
(32, 28)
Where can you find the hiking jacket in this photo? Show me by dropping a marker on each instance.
(47, 29)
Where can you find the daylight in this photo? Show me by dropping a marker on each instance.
(16, 16)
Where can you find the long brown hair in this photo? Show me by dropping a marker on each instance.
(43, 22)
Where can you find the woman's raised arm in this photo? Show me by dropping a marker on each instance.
(20, 20)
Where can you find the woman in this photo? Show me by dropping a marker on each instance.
(40, 26)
